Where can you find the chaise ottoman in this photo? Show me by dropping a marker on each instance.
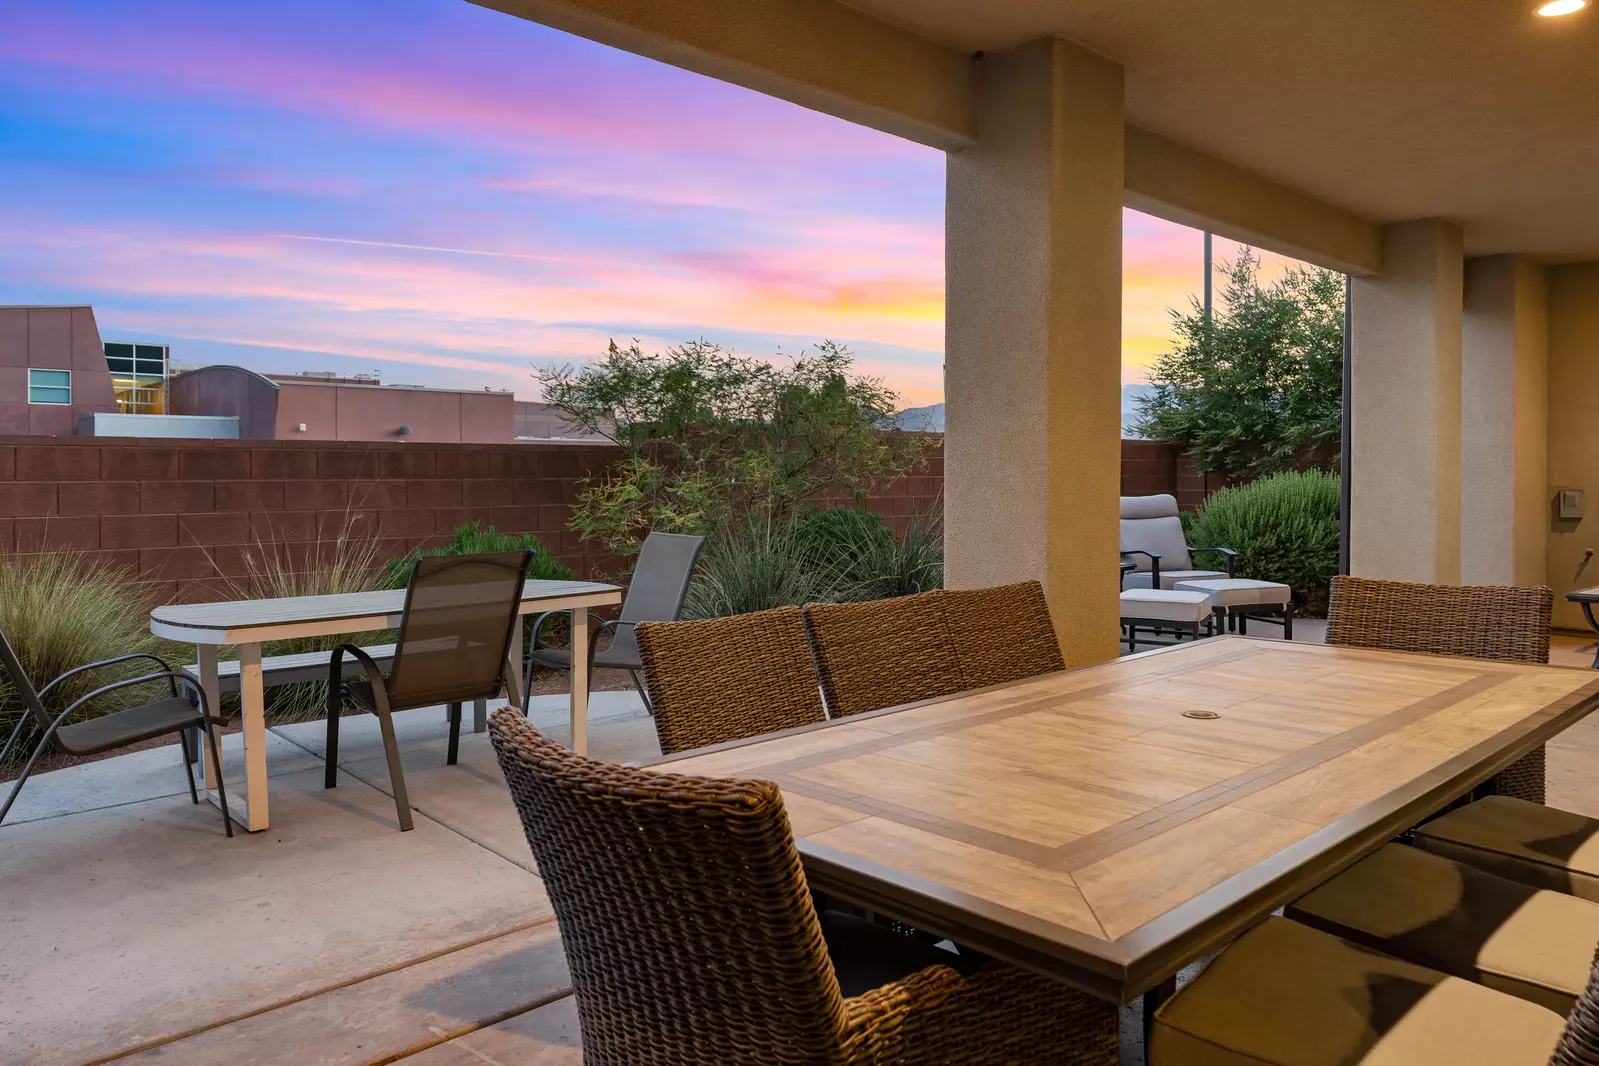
(1239, 599)
(1165, 609)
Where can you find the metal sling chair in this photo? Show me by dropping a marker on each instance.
(655, 594)
(174, 714)
(455, 634)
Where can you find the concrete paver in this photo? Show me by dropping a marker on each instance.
(394, 1014)
(547, 1036)
(137, 923)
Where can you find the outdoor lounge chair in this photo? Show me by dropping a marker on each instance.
(691, 936)
(655, 594)
(174, 714)
(455, 635)
(1153, 541)
(1507, 623)
(726, 679)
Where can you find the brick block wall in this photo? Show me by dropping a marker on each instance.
(185, 514)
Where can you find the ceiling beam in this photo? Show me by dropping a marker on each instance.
(832, 58)
(817, 53)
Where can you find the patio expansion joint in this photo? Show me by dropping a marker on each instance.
(173, 1038)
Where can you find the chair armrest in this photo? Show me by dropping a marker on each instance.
(1227, 552)
(936, 1016)
(1154, 564)
(173, 676)
(166, 667)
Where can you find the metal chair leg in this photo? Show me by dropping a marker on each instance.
(638, 683)
(214, 742)
(330, 750)
(455, 734)
(1288, 622)
(188, 764)
(391, 748)
(44, 743)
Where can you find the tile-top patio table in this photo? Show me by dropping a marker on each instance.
(1080, 825)
(247, 623)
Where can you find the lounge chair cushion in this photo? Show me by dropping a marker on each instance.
(1165, 606)
(1287, 995)
(1236, 591)
(1527, 842)
(1531, 943)
(1168, 579)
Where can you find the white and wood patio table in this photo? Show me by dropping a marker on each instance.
(1081, 825)
(248, 623)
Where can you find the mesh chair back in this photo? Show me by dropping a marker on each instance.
(459, 614)
(683, 910)
(728, 678)
(882, 653)
(1509, 623)
(1002, 634)
(660, 581)
(18, 677)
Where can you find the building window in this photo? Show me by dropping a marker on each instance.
(49, 386)
(138, 376)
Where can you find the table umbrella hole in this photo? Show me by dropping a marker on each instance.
(1205, 715)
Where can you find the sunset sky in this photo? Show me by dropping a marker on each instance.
(452, 196)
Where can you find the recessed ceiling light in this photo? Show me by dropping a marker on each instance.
(1561, 7)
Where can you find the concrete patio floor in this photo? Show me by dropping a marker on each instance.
(136, 932)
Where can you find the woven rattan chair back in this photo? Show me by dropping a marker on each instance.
(460, 612)
(882, 653)
(1002, 634)
(1508, 623)
(683, 910)
(1579, 1044)
(728, 678)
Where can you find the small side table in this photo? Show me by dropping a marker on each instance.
(1586, 598)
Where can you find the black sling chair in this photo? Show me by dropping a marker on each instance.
(455, 633)
(173, 714)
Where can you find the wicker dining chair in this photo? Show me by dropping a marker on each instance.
(1002, 634)
(1507, 623)
(460, 617)
(726, 679)
(692, 938)
(883, 653)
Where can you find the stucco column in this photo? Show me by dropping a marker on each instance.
(1405, 408)
(1504, 423)
(1032, 446)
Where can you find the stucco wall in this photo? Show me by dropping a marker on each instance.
(227, 390)
(370, 413)
(1573, 428)
(54, 338)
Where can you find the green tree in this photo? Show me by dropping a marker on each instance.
(1261, 379)
(710, 437)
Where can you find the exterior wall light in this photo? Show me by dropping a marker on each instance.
(1556, 8)
(403, 431)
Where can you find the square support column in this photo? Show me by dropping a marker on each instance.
(1405, 408)
(1032, 445)
(1504, 508)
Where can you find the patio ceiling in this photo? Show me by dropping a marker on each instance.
(1472, 110)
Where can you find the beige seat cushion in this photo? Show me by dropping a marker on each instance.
(1237, 591)
(1165, 606)
(1529, 942)
(1527, 842)
(1168, 578)
(1288, 995)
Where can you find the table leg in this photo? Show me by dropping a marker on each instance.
(252, 697)
(1587, 612)
(206, 657)
(580, 680)
(513, 667)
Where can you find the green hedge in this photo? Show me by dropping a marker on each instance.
(1284, 528)
(475, 538)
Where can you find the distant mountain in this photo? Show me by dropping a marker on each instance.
(931, 419)
(928, 419)
(1130, 409)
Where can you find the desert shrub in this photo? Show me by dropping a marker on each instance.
(475, 538)
(758, 566)
(63, 610)
(1284, 528)
(834, 554)
(350, 561)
